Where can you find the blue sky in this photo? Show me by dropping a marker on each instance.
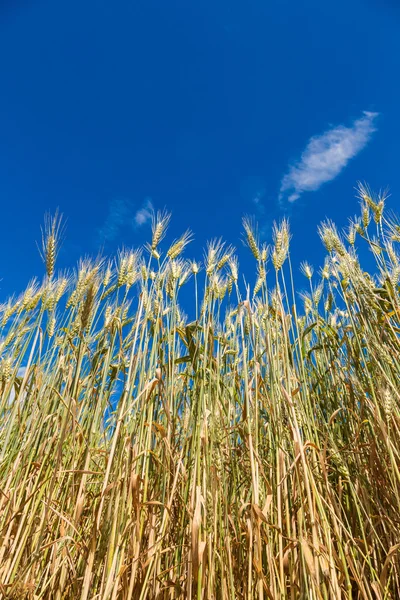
(212, 108)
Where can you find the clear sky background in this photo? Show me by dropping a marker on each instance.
(211, 108)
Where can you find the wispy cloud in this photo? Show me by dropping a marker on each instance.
(120, 213)
(144, 214)
(326, 155)
(124, 215)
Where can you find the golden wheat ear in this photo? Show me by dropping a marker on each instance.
(251, 236)
(160, 222)
(179, 245)
(52, 235)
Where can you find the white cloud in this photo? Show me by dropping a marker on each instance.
(144, 214)
(122, 216)
(326, 155)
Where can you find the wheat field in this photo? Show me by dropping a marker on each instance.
(251, 451)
